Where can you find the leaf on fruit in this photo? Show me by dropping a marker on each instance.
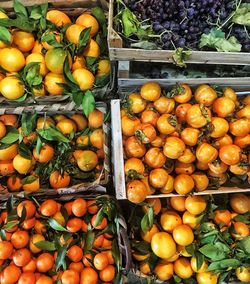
(24, 151)
(102, 81)
(45, 245)
(11, 136)
(55, 225)
(217, 251)
(89, 240)
(29, 179)
(5, 35)
(147, 220)
(88, 103)
(83, 40)
(61, 258)
(28, 123)
(50, 38)
(224, 264)
(52, 134)
(20, 9)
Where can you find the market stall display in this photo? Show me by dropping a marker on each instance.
(53, 147)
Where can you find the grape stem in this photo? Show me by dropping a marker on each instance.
(232, 14)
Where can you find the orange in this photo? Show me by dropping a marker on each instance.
(86, 160)
(51, 84)
(58, 18)
(36, 238)
(183, 235)
(59, 218)
(134, 164)
(203, 267)
(12, 88)
(243, 274)
(21, 164)
(195, 204)
(183, 184)
(73, 33)
(38, 57)
(89, 276)
(75, 253)
(21, 257)
(45, 155)
(110, 256)
(6, 168)
(98, 241)
(49, 207)
(101, 225)
(107, 274)
(44, 122)
(57, 180)
(74, 225)
(80, 121)
(37, 47)
(97, 138)
(70, 277)
(14, 183)
(92, 207)
(9, 119)
(182, 251)
(24, 41)
(20, 239)
(45, 262)
(206, 278)
(222, 217)
(136, 191)
(82, 140)
(68, 207)
(103, 67)
(240, 203)
(11, 59)
(160, 241)
(46, 45)
(29, 223)
(30, 209)
(145, 268)
(240, 230)
(66, 126)
(155, 203)
(147, 236)
(2, 130)
(189, 219)
(79, 207)
(27, 278)
(11, 274)
(164, 271)
(182, 268)
(178, 203)
(79, 62)
(6, 249)
(101, 261)
(43, 279)
(92, 49)
(84, 78)
(96, 118)
(151, 91)
(88, 21)
(86, 259)
(33, 186)
(30, 267)
(170, 220)
(54, 59)
(77, 266)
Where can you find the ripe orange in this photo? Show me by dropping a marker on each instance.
(183, 184)
(222, 217)
(206, 278)
(75, 253)
(37, 47)
(22, 165)
(193, 263)
(43, 279)
(33, 186)
(52, 81)
(68, 207)
(6, 167)
(70, 277)
(96, 119)
(27, 278)
(73, 33)
(88, 21)
(57, 180)
(92, 207)
(30, 209)
(59, 218)
(182, 268)
(155, 203)
(136, 191)
(107, 274)
(160, 241)
(101, 225)
(58, 18)
(147, 236)
(6, 249)
(240, 230)
(98, 241)
(38, 57)
(9, 119)
(54, 59)
(44, 122)
(79, 62)
(89, 276)
(77, 266)
(189, 219)
(240, 203)
(164, 271)
(79, 207)
(45, 262)
(2, 130)
(66, 126)
(11, 274)
(36, 238)
(21, 257)
(84, 78)
(45, 155)
(145, 268)
(170, 220)
(101, 261)
(11, 59)
(29, 223)
(30, 267)
(92, 49)
(97, 138)
(20, 239)
(134, 164)
(12, 88)
(103, 67)
(195, 204)
(86, 160)
(86, 259)
(243, 274)
(178, 203)
(80, 121)
(24, 41)
(14, 183)
(151, 91)
(74, 225)
(49, 207)
(183, 235)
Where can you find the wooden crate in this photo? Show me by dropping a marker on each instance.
(118, 52)
(67, 109)
(117, 144)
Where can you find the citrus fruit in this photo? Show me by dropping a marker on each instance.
(84, 78)
(160, 241)
(88, 21)
(12, 88)
(11, 59)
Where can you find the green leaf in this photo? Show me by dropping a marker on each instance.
(102, 81)
(217, 251)
(5, 35)
(130, 24)
(98, 13)
(33, 76)
(3, 235)
(67, 72)
(61, 258)
(29, 179)
(199, 259)
(216, 39)
(224, 264)
(22, 99)
(10, 225)
(242, 15)
(99, 218)
(45, 245)
(38, 145)
(245, 218)
(77, 97)
(11, 136)
(50, 38)
(223, 276)
(180, 56)
(20, 23)
(88, 103)
(28, 123)
(90, 237)
(144, 44)
(24, 151)
(10, 204)
(52, 134)
(20, 9)
(84, 39)
(55, 225)
(244, 245)
(177, 279)
(90, 61)
(147, 220)
(115, 252)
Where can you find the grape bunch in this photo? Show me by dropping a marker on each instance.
(182, 22)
